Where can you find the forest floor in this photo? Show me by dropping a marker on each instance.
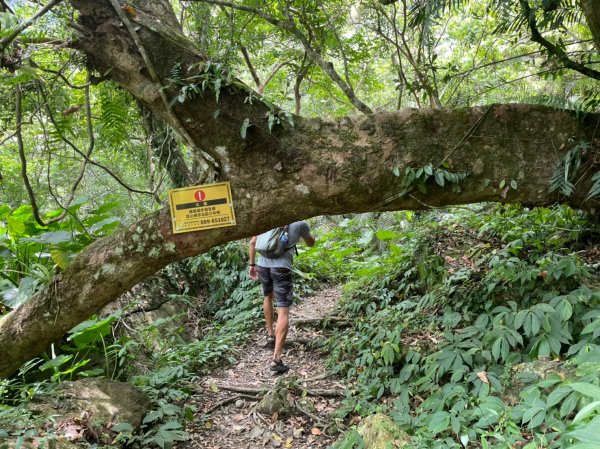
(229, 397)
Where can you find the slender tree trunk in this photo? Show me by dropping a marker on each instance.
(591, 9)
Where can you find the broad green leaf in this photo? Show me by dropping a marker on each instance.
(587, 410)
(56, 362)
(4, 211)
(439, 422)
(122, 427)
(587, 434)
(534, 416)
(46, 238)
(62, 257)
(244, 128)
(585, 446)
(439, 178)
(586, 389)
(387, 235)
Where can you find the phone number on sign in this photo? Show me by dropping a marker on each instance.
(214, 220)
(204, 222)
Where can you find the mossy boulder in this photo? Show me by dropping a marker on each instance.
(278, 401)
(380, 432)
(522, 375)
(34, 443)
(104, 401)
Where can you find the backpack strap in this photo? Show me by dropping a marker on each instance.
(285, 228)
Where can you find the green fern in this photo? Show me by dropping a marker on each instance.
(595, 190)
(7, 22)
(563, 178)
(33, 37)
(113, 117)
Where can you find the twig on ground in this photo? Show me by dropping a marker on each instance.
(321, 376)
(269, 425)
(327, 320)
(309, 414)
(228, 401)
(236, 389)
(324, 393)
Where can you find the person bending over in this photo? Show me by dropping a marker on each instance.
(276, 278)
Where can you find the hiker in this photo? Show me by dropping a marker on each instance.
(276, 277)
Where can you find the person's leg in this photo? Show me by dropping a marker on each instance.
(281, 331)
(283, 289)
(268, 310)
(267, 285)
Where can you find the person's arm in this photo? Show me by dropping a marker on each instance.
(310, 240)
(252, 259)
(305, 234)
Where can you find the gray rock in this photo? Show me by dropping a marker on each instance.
(276, 401)
(380, 432)
(103, 400)
(524, 374)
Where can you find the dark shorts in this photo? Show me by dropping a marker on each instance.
(278, 280)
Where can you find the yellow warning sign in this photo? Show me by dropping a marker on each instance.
(201, 207)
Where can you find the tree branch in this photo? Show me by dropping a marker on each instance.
(92, 141)
(23, 159)
(11, 37)
(276, 67)
(554, 50)
(290, 26)
(169, 110)
(255, 77)
(82, 154)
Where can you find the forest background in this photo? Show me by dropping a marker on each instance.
(440, 296)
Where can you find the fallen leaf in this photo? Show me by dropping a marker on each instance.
(274, 418)
(315, 431)
(208, 425)
(298, 432)
(483, 376)
(289, 442)
(213, 387)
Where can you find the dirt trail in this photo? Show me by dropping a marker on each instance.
(237, 424)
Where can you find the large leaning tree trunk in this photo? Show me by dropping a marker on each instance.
(315, 167)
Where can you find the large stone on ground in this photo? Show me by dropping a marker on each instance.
(50, 444)
(277, 401)
(380, 432)
(522, 375)
(105, 401)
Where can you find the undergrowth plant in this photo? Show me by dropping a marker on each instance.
(30, 254)
(455, 307)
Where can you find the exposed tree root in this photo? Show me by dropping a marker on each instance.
(330, 321)
(261, 391)
(230, 400)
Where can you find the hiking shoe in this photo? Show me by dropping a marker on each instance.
(279, 367)
(270, 343)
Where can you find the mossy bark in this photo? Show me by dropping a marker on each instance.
(316, 167)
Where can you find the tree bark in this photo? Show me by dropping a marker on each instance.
(316, 167)
(591, 9)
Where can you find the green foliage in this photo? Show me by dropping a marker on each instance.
(211, 76)
(30, 254)
(418, 177)
(565, 177)
(435, 334)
